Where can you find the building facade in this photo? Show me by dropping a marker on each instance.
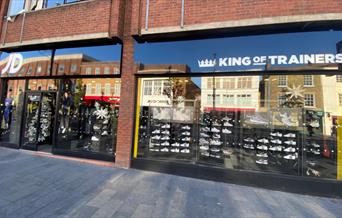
(222, 89)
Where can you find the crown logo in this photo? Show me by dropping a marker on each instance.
(206, 63)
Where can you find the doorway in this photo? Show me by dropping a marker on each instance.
(39, 121)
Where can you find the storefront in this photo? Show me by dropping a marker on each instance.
(267, 103)
(64, 101)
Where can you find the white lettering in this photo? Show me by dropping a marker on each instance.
(338, 59)
(246, 61)
(319, 58)
(223, 62)
(329, 59)
(273, 59)
(282, 59)
(309, 59)
(14, 64)
(293, 60)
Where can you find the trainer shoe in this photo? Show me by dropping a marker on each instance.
(184, 145)
(204, 147)
(186, 151)
(276, 134)
(157, 131)
(263, 140)
(226, 131)
(156, 137)
(262, 147)
(290, 149)
(290, 135)
(165, 138)
(165, 143)
(262, 155)
(290, 142)
(175, 150)
(275, 148)
(249, 140)
(176, 144)
(186, 127)
(215, 130)
(186, 139)
(262, 161)
(166, 126)
(204, 135)
(164, 150)
(227, 124)
(276, 141)
(186, 133)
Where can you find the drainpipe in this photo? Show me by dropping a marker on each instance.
(147, 13)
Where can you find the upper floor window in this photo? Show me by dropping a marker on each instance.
(228, 83)
(339, 78)
(39, 68)
(282, 81)
(309, 100)
(88, 70)
(244, 83)
(148, 87)
(106, 70)
(97, 71)
(340, 99)
(61, 68)
(73, 68)
(308, 80)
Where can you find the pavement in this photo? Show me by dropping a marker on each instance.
(36, 186)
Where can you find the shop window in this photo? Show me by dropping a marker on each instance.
(340, 99)
(244, 83)
(97, 71)
(210, 99)
(98, 90)
(117, 88)
(244, 100)
(281, 100)
(339, 78)
(88, 71)
(282, 81)
(106, 70)
(228, 100)
(107, 89)
(61, 68)
(73, 68)
(308, 81)
(228, 83)
(309, 100)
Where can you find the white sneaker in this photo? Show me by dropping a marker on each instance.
(216, 136)
(186, 133)
(204, 147)
(262, 155)
(175, 150)
(263, 140)
(154, 149)
(184, 145)
(203, 142)
(317, 152)
(206, 154)
(289, 149)
(276, 141)
(204, 135)
(165, 138)
(94, 138)
(276, 134)
(315, 145)
(226, 118)
(166, 126)
(215, 156)
(249, 140)
(216, 124)
(165, 143)
(314, 124)
(104, 133)
(215, 142)
(156, 137)
(262, 147)
(249, 146)
(262, 161)
(290, 135)
(157, 131)
(166, 132)
(205, 129)
(275, 148)
(164, 150)
(290, 157)
(186, 127)
(214, 149)
(96, 127)
(257, 119)
(227, 124)
(186, 139)
(291, 142)
(226, 131)
(176, 144)
(215, 130)
(186, 151)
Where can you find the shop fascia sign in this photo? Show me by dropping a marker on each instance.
(272, 60)
(14, 64)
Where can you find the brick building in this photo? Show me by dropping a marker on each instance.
(104, 44)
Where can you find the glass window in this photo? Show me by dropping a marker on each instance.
(16, 6)
(282, 81)
(107, 89)
(308, 80)
(88, 70)
(106, 70)
(117, 88)
(218, 83)
(309, 100)
(157, 87)
(73, 68)
(54, 3)
(39, 68)
(209, 83)
(98, 90)
(89, 89)
(147, 87)
(116, 71)
(281, 100)
(340, 99)
(61, 68)
(339, 78)
(228, 83)
(97, 71)
(29, 71)
(244, 83)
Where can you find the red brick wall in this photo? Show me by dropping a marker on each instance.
(69, 20)
(164, 13)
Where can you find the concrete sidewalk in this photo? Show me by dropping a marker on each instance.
(33, 186)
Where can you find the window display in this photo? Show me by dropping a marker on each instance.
(198, 120)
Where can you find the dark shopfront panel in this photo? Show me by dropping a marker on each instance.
(264, 104)
(71, 109)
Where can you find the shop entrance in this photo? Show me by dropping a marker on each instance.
(39, 121)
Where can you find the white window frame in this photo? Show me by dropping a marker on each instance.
(313, 100)
(73, 68)
(306, 80)
(89, 89)
(244, 83)
(147, 87)
(107, 89)
(281, 79)
(97, 71)
(117, 88)
(98, 89)
(88, 70)
(340, 99)
(339, 78)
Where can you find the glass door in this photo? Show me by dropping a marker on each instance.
(39, 121)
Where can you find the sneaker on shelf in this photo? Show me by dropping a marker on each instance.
(176, 144)
(290, 142)
(166, 143)
(203, 142)
(314, 124)
(104, 133)
(166, 126)
(249, 146)
(315, 151)
(290, 135)
(96, 127)
(290, 157)
(186, 127)
(262, 147)
(262, 161)
(226, 118)
(215, 142)
(215, 150)
(216, 124)
(275, 148)
(156, 137)
(205, 129)
(206, 154)
(164, 150)
(290, 149)
(315, 145)
(248, 140)
(276, 141)
(185, 145)
(204, 135)
(216, 136)
(186, 133)
(215, 156)
(227, 124)
(157, 131)
(276, 134)
(215, 130)
(257, 119)
(166, 132)
(154, 149)
(262, 155)
(204, 147)
(263, 140)
(186, 139)
(186, 151)
(226, 131)
(175, 150)
(94, 138)
(165, 138)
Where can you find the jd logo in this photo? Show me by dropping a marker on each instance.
(15, 61)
